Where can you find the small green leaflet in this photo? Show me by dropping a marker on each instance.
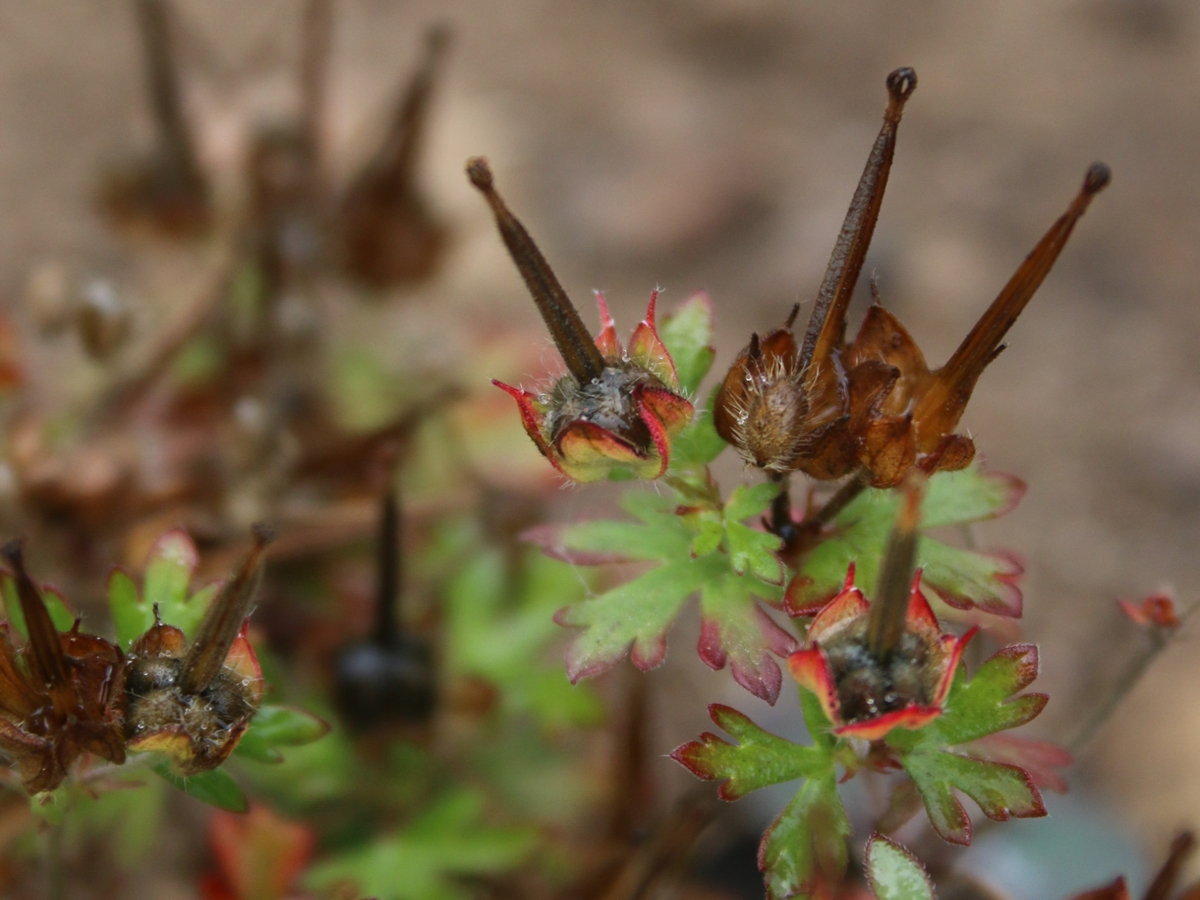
(806, 844)
(961, 578)
(215, 788)
(939, 765)
(422, 861)
(894, 873)
(704, 548)
(279, 726)
(169, 569)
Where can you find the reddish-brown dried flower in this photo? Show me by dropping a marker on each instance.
(617, 407)
(828, 408)
(61, 695)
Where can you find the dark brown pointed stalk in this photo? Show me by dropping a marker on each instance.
(827, 323)
(47, 662)
(576, 345)
(1164, 882)
(388, 596)
(885, 625)
(957, 377)
(401, 149)
(163, 85)
(314, 78)
(221, 624)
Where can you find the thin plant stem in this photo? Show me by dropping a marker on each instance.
(844, 497)
(1160, 639)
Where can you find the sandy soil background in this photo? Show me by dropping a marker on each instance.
(700, 144)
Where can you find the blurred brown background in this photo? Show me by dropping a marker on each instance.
(698, 144)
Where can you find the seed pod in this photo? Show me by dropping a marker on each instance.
(61, 695)
(873, 407)
(193, 704)
(617, 407)
(884, 664)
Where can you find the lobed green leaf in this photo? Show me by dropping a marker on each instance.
(216, 788)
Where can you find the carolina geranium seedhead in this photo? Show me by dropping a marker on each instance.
(875, 667)
(617, 407)
(192, 704)
(873, 407)
(60, 695)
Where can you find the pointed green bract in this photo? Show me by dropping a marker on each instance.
(687, 334)
(702, 546)
(961, 578)
(894, 873)
(424, 861)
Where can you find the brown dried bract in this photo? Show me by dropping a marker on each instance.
(61, 695)
(830, 409)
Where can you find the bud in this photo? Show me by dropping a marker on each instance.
(193, 704)
(61, 695)
(617, 407)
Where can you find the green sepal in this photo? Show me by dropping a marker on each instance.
(216, 787)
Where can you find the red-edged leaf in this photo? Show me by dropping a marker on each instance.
(757, 760)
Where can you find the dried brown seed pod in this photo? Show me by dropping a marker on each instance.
(61, 695)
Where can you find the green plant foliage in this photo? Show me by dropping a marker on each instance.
(687, 335)
(169, 569)
(498, 625)
(421, 862)
(894, 873)
(279, 726)
(216, 788)
(702, 547)
(961, 578)
(806, 844)
(939, 764)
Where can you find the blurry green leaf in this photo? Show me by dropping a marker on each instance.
(962, 578)
(279, 726)
(172, 561)
(499, 624)
(49, 806)
(421, 862)
(687, 334)
(894, 873)
(215, 788)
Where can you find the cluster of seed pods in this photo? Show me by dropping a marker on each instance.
(63, 695)
(870, 410)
